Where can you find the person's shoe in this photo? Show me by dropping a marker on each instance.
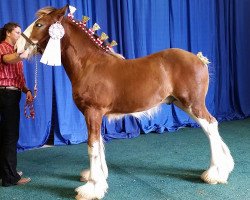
(20, 173)
(23, 181)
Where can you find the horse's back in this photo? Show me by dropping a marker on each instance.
(180, 67)
(147, 81)
(178, 57)
(172, 59)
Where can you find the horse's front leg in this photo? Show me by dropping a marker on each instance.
(96, 185)
(85, 174)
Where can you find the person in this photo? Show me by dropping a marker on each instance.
(12, 84)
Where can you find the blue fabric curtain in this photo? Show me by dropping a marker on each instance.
(218, 28)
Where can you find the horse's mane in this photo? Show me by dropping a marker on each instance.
(47, 10)
(44, 11)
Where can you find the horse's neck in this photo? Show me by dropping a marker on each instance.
(77, 50)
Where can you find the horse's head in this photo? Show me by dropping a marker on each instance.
(38, 32)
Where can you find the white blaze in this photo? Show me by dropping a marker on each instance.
(20, 44)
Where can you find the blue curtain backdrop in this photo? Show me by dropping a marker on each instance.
(218, 28)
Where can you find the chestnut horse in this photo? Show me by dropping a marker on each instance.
(104, 84)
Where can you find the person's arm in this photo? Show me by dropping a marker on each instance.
(29, 97)
(15, 57)
(25, 89)
(12, 58)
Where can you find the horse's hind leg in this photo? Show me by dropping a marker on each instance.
(221, 160)
(96, 185)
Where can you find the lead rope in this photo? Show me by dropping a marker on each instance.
(30, 106)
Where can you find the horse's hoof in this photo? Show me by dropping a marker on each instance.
(91, 191)
(79, 197)
(213, 176)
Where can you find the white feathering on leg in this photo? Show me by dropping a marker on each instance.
(97, 186)
(221, 160)
(103, 160)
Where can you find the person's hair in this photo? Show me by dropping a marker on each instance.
(7, 28)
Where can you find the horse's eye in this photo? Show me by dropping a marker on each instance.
(39, 25)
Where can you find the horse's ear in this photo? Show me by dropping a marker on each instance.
(61, 12)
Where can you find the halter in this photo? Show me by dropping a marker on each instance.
(37, 46)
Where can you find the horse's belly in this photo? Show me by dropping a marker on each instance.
(147, 113)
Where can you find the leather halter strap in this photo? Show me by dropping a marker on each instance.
(32, 43)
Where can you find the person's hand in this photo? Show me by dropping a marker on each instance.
(24, 54)
(29, 97)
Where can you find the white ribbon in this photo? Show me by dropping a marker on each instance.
(52, 53)
(72, 10)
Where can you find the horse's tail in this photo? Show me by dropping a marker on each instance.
(203, 58)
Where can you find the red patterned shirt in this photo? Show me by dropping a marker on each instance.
(10, 74)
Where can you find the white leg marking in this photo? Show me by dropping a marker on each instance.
(221, 160)
(96, 186)
(86, 173)
(103, 160)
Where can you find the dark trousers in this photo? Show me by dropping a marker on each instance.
(9, 134)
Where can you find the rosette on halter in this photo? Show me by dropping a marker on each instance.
(52, 53)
